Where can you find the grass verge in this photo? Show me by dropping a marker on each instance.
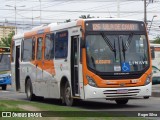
(60, 112)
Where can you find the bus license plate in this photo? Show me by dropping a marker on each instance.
(122, 91)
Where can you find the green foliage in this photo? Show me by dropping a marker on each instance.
(6, 41)
(86, 16)
(68, 20)
(157, 40)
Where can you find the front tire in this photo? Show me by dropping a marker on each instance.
(122, 101)
(67, 95)
(29, 91)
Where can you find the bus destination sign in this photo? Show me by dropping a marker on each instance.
(114, 26)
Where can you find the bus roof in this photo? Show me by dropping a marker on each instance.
(54, 27)
(17, 36)
(112, 19)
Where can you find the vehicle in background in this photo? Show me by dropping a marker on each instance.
(5, 67)
(155, 53)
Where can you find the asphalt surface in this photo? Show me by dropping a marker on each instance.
(156, 90)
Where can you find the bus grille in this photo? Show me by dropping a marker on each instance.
(114, 93)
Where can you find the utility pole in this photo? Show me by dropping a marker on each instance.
(151, 23)
(40, 12)
(118, 8)
(15, 9)
(145, 12)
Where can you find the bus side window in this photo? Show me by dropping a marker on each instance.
(22, 47)
(33, 48)
(52, 46)
(39, 48)
(61, 44)
(48, 47)
(27, 50)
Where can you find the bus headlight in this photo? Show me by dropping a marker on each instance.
(148, 80)
(91, 81)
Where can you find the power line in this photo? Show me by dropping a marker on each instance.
(85, 11)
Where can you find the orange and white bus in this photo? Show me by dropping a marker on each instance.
(84, 59)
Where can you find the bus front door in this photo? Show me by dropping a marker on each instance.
(75, 65)
(17, 68)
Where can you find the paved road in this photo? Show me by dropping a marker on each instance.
(151, 104)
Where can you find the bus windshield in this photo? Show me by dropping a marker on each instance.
(117, 53)
(5, 62)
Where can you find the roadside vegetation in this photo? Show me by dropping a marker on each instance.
(62, 111)
(6, 41)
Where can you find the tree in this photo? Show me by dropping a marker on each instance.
(86, 16)
(157, 40)
(68, 20)
(6, 41)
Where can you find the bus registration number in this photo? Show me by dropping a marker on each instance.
(122, 91)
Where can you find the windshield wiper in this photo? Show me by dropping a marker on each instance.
(123, 50)
(126, 45)
(109, 44)
(128, 42)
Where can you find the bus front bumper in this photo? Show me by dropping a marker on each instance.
(117, 93)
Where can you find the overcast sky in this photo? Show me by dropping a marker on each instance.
(28, 11)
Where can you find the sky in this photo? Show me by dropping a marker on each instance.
(30, 13)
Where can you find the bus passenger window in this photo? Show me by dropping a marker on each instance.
(48, 47)
(52, 46)
(33, 48)
(61, 45)
(27, 50)
(39, 48)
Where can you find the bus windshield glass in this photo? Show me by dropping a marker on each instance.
(5, 62)
(117, 53)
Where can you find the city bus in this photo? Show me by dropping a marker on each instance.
(155, 53)
(5, 67)
(83, 59)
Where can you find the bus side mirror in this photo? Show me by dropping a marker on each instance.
(82, 43)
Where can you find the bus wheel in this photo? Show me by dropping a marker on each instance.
(67, 95)
(4, 87)
(122, 101)
(29, 91)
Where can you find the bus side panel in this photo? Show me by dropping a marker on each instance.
(52, 85)
(61, 63)
(27, 71)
